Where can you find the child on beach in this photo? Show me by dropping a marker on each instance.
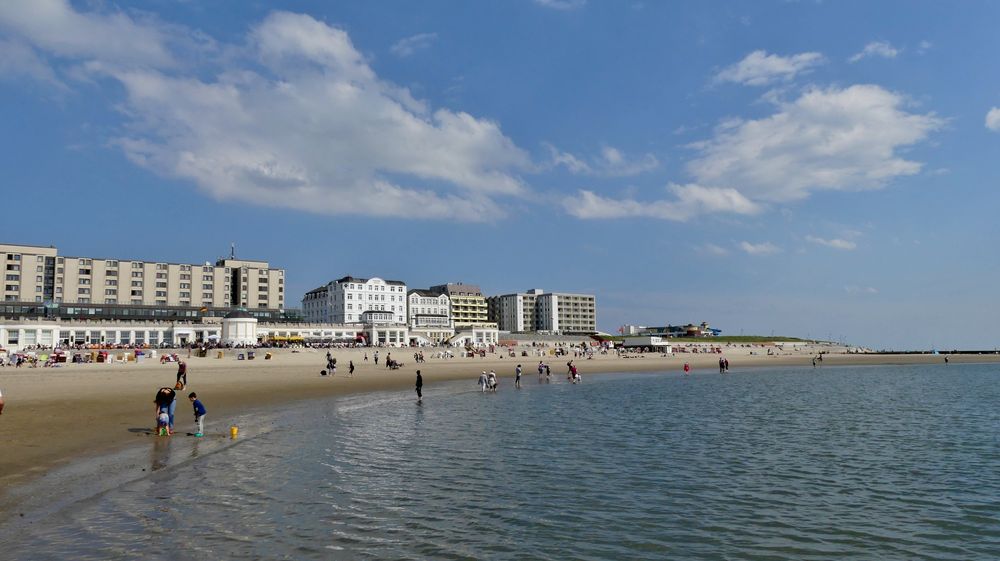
(163, 423)
(199, 414)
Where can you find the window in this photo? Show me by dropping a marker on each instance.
(84, 281)
(39, 269)
(136, 265)
(84, 271)
(161, 293)
(12, 267)
(111, 282)
(185, 295)
(83, 290)
(13, 277)
(206, 269)
(109, 300)
(110, 291)
(38, 289)
(185, 277)
(161, 275)
(161, 285)
(111, 273)
(137, 274)
(136, 293)
(185, 285)
(206, 287)
(111, 263)
(161, 266)
(206, 277)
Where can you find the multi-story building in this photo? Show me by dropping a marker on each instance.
(354, 300)
(41, 282)
(468, 306)
(429, 315)
(553, 312)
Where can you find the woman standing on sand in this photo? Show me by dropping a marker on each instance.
(165, 398)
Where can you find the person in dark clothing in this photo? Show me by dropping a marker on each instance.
(420, 385)
(182, 376)
(165, 399)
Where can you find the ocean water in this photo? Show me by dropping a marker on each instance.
(831, 463)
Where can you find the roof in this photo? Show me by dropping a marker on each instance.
(362, 281)
(423, 292)
(238, 314)
(453, 289)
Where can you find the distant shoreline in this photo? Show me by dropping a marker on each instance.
(56, 417)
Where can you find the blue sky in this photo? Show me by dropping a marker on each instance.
(822, 169)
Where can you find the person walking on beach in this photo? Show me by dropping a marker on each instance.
(483, 382)
(366, 357)
(687, 368)
(726, 365)
(376, 358)
(548, 374)
(541, 371)
(388, 360)
(491, 378)
(722, 365)
(199, 414)
(182, 376)
(517, 377)
(165, 400)
(420, 385)
(350, 368)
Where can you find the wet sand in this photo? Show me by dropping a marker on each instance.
(56, 416)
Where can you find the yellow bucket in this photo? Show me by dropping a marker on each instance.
(234, 431)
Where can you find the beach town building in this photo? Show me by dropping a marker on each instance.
(41, 283)
(236, 328)
(356, 300)
(468, 305)
(429, 317)
(540, 311)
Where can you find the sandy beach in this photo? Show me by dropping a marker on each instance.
(55, 416)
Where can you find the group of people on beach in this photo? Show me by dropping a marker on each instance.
(166, 405)
(331, 366)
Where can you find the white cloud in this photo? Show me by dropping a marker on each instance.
(712, 249)
(827, 139)
(611, 162)
(760, 68)
(564, 5)
(993, 119)
(876, 48)
(854, 289)
(113, 37)
(690, 200)
(299, 120)
(409, 45)
(835, 243)
(18, 60)
(766, 248)
(924, 46)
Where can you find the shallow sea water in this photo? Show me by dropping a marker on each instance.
(832, 463)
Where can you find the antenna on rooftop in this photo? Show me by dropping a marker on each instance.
(232, 250)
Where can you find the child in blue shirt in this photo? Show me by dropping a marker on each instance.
(199, 413)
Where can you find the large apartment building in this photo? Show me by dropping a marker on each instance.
(537, 310)
(355, 300)
(468, 306)
(39, 280)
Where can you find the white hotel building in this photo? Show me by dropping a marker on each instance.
(551, 312)
(430, 316)
(354, 300)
